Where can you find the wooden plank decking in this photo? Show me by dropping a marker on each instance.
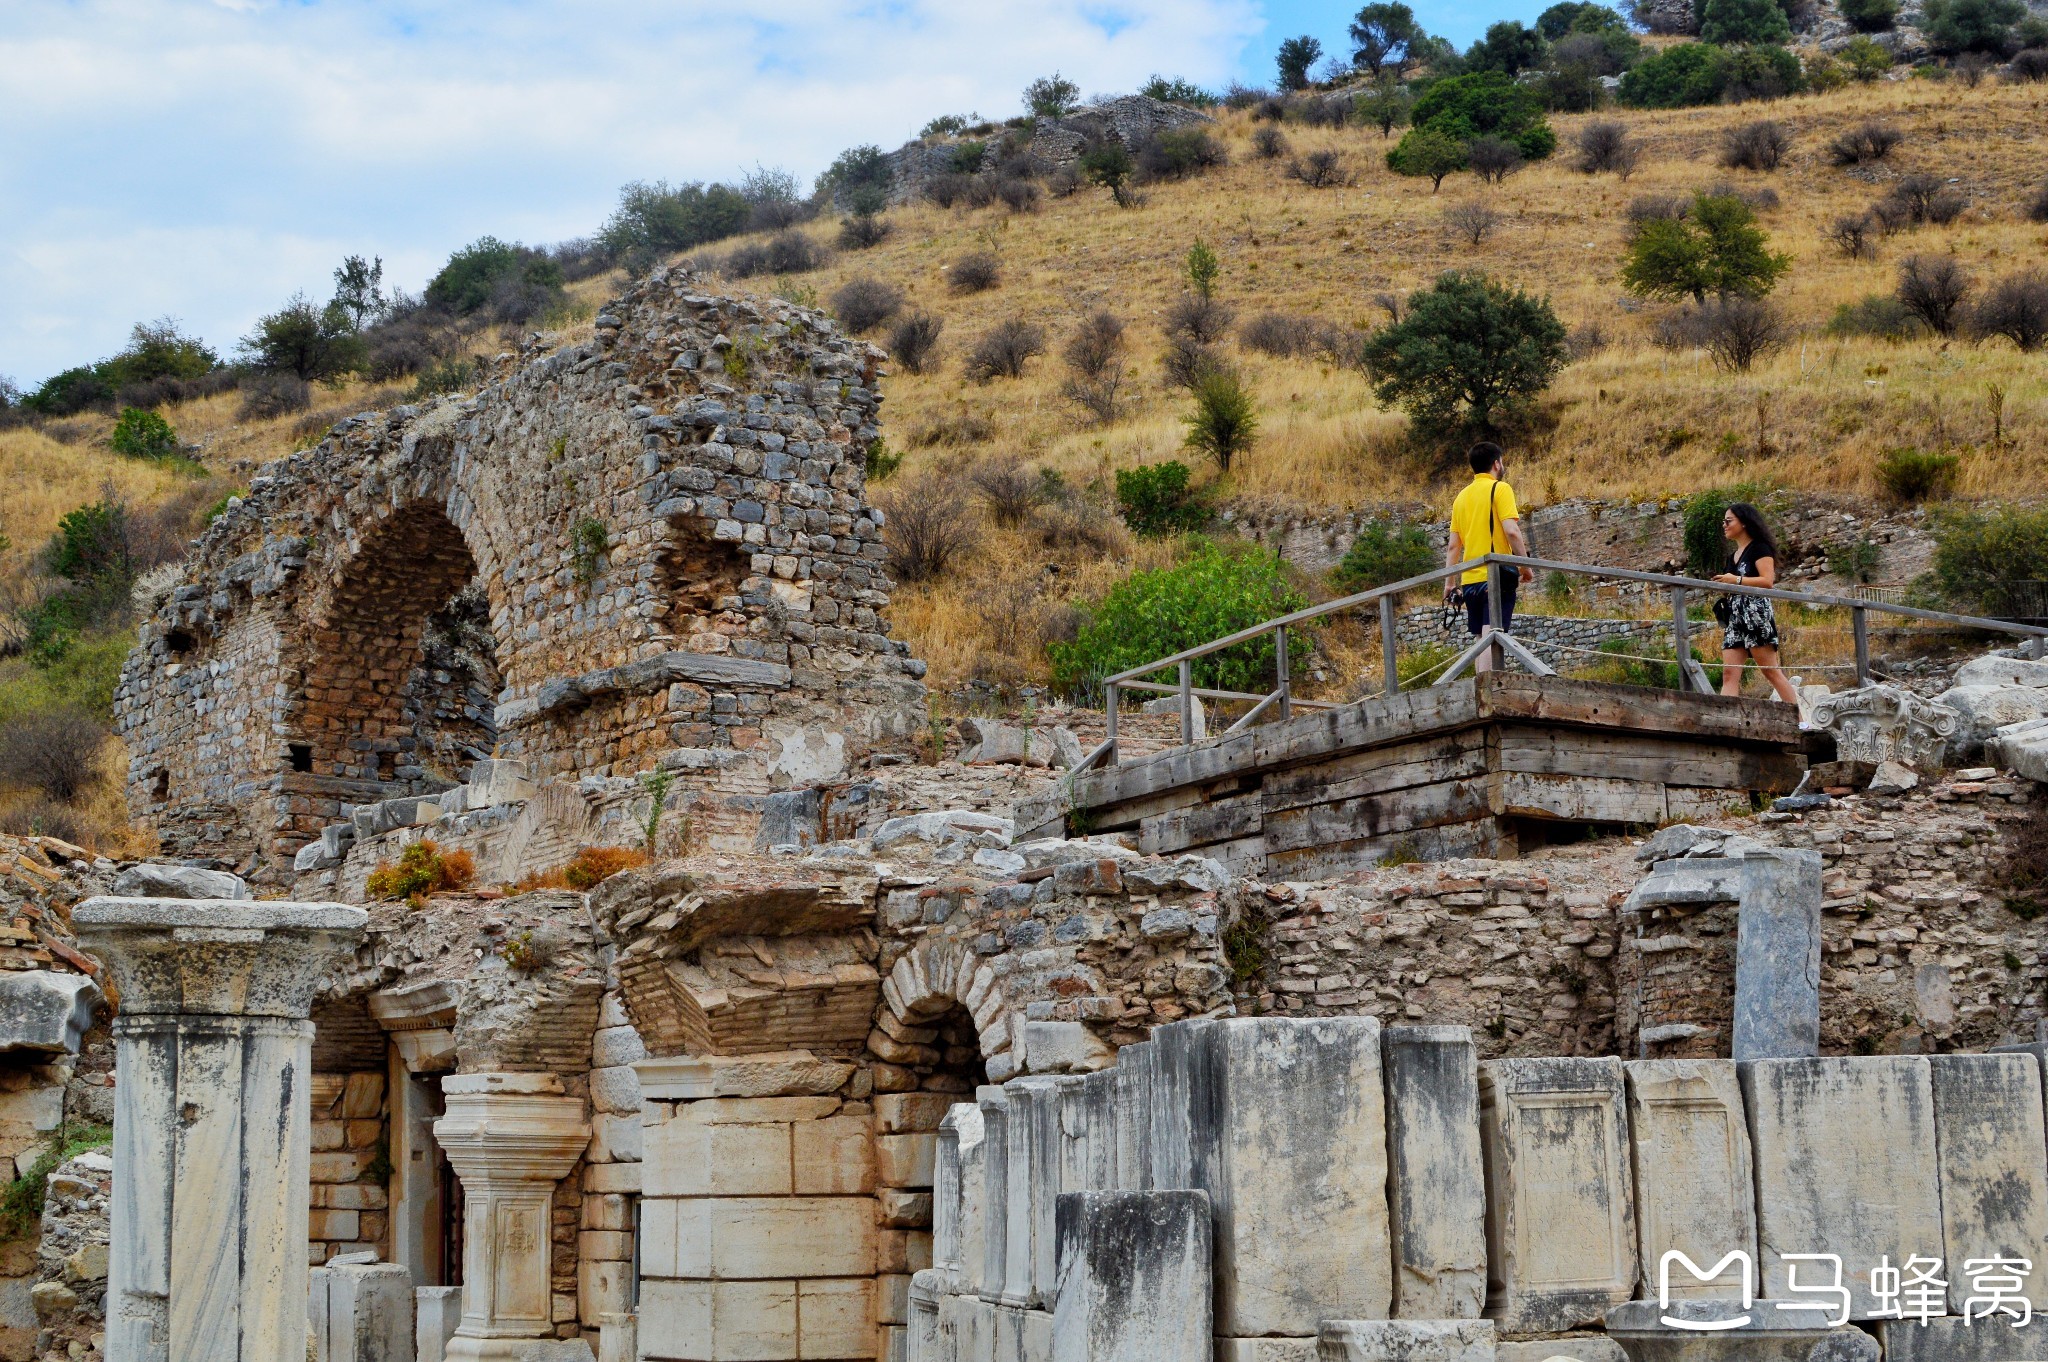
(1470, 768)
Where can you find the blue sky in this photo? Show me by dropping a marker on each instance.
(204, 159)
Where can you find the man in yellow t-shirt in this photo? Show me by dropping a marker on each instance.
(1485, 519)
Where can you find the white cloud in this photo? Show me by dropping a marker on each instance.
(207, 157)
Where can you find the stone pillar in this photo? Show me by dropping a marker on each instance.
(212, 1121)
(1777, 957)
(511, 1138)
(1436, 1187)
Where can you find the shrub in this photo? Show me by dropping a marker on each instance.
(1706, 550)
(1981, 556)
(1004, 350)
(50, 750)
(1269, 144)
(914, 340)
(1203, 319)
(1879, 315)
(791, 252)
(863, 231)
(1823, 74)
(2037, 207)
(1932, 288)
(1487, 103)
(1870, 16)
(1656, 208)
(444, 376)
(1716, 248)
(1052, 96)
(1152, 614)
(1108, 164)
(1319, 170)
(1095, 345)
(308, 341)
(2017, 309)
(1006, 488)
(1493, 160)
(1469, 355)
(509, 281)
(865, 303)
(948, 189)
(1155, 499)
(1755, 146)
(925, 526)
(143, 434)
(1427, 153)
(1919, 199)
(1019, 195)
(1859, 560)
(1954, 26)
(1867, 141)
(1740, 22)
(268, 396)
(1280, 334)
(1385, 551)
(592, 866)
(422, 869)
(1472, 220)
(1383, 105)
(1761, 72)
(1851, 234)
(652, 221)
(1678, 77)
(2029, 66)
(1738, 331)
(1225, 421)
(975, 272)
(1606, 146)
(1909, 476)
(1179, 152)
(1585, 341)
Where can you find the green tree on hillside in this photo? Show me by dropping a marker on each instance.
(306, 340)
(1508, 47)
(1052, 96)
(143, 434)
(658, 219)
(504, 276)
(1954, 26)
(1732, 22)
(1715, 248)
(1385, 104)
(1384, 35)
(1295, 58)
(1469, 356)
(1680, 76)
(1487, 104)
(1427, 153)
(359, 289)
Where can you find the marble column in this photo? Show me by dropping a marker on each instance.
(212, 1120)
(511, 1138)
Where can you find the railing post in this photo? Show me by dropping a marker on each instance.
(1387, 641)
(1187, 702)
(1859, 623)
(1112, 700)
(1681, 637)
(1280, 672)
(1496, 620)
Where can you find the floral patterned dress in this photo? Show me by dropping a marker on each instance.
(1752, 623)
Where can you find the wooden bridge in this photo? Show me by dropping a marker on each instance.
(1480, 765)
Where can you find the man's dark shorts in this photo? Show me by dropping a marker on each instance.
(1475, 604)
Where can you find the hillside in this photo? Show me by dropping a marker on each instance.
(1627, 420)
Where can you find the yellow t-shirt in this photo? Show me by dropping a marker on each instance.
(1479, 518)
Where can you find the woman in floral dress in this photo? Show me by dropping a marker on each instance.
(1751, 625)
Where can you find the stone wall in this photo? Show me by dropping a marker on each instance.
(669, 526)
(351, 1165)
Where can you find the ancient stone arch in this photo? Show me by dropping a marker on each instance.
(668, 524)
(941, 972)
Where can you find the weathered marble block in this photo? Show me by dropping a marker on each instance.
(1949, 1339)
(1766, 1334)
(1405, 1340)
(1993, 1151)
(1845, 1164)
(1436, 1184)
(1134, 1277)
(1695, 1193)
(1577, 1348)
(1022, 1335)
(1288, 1136)
(995, 1189)
(1560, 1223)
(1134, 1097)
(366, 1310)
(437, 1312)
(926, 1339)
(1032, 1171)
(969, 1325)
(1088, 1132)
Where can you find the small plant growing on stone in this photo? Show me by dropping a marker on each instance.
(1244, 946)
(594, 865)
(422, 869)
(588, 540)
(519, 952)
(882, 462)
(657, 783)
(558, 448)
(1497, 1028)
(1857, 561)
(1402, 852)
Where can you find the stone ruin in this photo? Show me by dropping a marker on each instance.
(668, 530)
(1053, 143)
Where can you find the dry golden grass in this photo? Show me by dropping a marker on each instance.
(1633, 421)
(45, 478)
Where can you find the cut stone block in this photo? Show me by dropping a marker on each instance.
(835, 1319)
(969, 1325)
(1088, 1133)
(1767, 1335)
(729, 1238)
(789, 1073)
(1694, 1189)
(994, 1104)
(926, 1340)
(1134, 1277)
(1407, 1340)
(1135, 1097)
(959, 1220)
(1436, 1184)
(1950, 1339)
(832, 1157)
(368, 1312)
(1845, 1164)
(153, 880)
(1054, 1047)
(45, 1012)
(437, 1310)
(1988, 1134)
(702, 1321)
(1023, 1335)
(685, 1158)
(1288, 1135)
(1560, 1223)
(498, 782)
(1580, 1348)
(1032, 1171)
(1265, 1350)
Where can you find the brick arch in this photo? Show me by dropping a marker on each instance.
(364, 640)
(935, 976)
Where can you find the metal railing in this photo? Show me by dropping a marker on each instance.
(1493, 640)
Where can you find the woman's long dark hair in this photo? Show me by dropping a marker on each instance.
(1761, 545)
